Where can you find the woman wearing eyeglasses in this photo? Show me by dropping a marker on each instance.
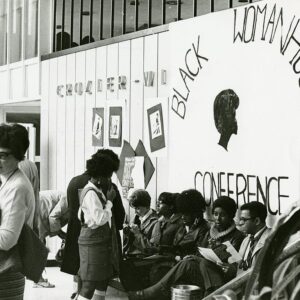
(17, 204)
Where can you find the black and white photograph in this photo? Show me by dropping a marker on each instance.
(98, 126)
(149, 149)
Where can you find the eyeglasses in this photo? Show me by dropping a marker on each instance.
(244, 220)
(4, 155)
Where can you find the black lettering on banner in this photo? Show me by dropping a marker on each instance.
(238, 190)
(178, 107)
(221, 190)
(243, 188)
(249, 194)
(187, 65)
(229, 191)
(260, 192)
(268, 191)
(196, 51)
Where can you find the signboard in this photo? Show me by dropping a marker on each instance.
(235, 104)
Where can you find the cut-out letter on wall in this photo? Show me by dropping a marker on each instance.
(122, 82)
(69, 89)
(79, 88)
(99, 85)
(89, 87)
(59, 90)
(110, 84)
(149, 78)
(163, 77)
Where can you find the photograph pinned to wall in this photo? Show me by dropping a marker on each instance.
(98, 127)
(156, 126)
(115, 126)
(133, 176)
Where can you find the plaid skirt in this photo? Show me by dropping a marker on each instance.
(12, 286)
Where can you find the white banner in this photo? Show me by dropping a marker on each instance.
(235, 104)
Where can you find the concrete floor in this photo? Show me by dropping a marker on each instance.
(63, 288)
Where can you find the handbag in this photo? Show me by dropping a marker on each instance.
(33, 254)
(10, 261)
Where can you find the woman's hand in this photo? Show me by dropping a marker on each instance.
(135, 229)
(224, 266)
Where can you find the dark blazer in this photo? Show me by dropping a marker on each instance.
(187, 243)
(70, 263)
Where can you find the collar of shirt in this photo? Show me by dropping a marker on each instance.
(258, 233)
(187, 228)
(90, 184)
(145, 217)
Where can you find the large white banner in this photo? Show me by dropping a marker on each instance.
(235, 104)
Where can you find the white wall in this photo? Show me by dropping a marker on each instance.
(67, 121)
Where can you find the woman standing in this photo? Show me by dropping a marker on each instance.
(17, 204)
(98, 247)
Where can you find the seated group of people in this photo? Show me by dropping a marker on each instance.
(161, 249)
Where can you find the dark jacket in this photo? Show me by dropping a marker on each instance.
(186, 243)
(136, 244)
(165, 231)
(70, 263)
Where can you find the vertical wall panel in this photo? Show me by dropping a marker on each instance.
(70, 120)
(124, 93)
(45, 85)
(137, 91)
(124, 71)
(163, 91)
(163, 63)
(17, 82)
(79, 115)
(150, 65)
(4, 84)
(112, 70)
(90, 70)
(101, 66)
(52, 107)
(32, 77)
(61, 125)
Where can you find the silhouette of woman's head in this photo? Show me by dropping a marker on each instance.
(225, 106)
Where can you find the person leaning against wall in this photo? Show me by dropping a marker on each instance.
(70, 262)
(17, 204)
(98, 246)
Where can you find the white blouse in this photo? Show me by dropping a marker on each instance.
(94, 213)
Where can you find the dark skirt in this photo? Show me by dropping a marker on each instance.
(12, 286)
(95, 263)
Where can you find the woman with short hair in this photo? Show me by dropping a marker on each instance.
(98, 246)
(17, 205)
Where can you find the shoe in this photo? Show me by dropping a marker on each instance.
(73, 296)
(44, 284)
(136, 295)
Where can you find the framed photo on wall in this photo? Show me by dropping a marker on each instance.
(115, 126)
(156, 127)
(98, 127)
